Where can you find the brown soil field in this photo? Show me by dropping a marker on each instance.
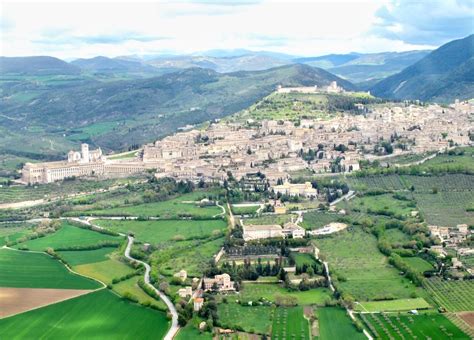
(468, 317)
(18, 300)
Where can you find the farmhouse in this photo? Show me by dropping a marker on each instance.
(221, 282)
(198, 302)
(293, 230)
(185, 292)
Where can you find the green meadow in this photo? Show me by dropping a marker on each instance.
(68, 236)
(98, 315)
(36, 270)
(334, 323)
(78, 257)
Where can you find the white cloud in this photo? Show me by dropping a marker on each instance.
(71, 30)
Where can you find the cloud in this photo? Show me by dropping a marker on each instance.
(117, 38)
(425, 22)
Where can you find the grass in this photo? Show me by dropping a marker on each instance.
(334, 323)
(11, 234)
(191, 256)
(245, 210)
(358, 267)
(302, 259)
(454, 296)
(165, 230)
(256, 291)
(104, 271)
(68, 236)
(256, 319)
(19, 193)
(381, 205)
(396, 236)
(191, 331)
(289, 323)
(271, 219)
(318, 219)
(393, 305)
(418, 264)
(35, 270)
(78, 257)
(99, 315)
(424, 326)
(170, 209)
(131, 286)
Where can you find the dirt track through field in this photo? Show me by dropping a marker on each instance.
(468, 317)
(19, 300)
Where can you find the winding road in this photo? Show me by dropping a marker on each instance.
(174, 321)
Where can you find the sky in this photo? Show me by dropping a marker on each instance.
(69, 30)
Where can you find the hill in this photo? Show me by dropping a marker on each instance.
(36, 66)
(114, 65)
(118, 114)
(443, 75)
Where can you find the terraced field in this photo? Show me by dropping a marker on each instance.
(98, 315)
(454, 296)
(392, 305)
(36, 270)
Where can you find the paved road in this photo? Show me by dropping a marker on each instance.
(347, 197)
(174, 321)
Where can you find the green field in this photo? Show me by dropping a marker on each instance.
(318, 219)
(396, 236)
(301, 259)
(271, 219)
(245, 210)
(251, 319)
(77, 257)
(11, 234)
(99, 315)
(192, 256)
(131, 287)
(392, 305)
(424, 326)
(381, 205)
(35, 270)
(358, 268)
(418, 264)
(289, 323)
(384, 182)
(454, 296)
(104, 271)
(19, 193)
(184, 205)
(165, 230)
(191, 331)
(68, 236)
(255, 291)
(334, 323)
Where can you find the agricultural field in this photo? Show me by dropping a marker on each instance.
(358, 268)
(11, 234)
(96, 315)
(318, 219)
(334, 323)
(384, 182)
(66, 237)
(454, 296)
(18, 193)
(78, 257)
(182, 206)
(37, 270)
(392, 305)
(191, 331)
(446, 162)
(158, 231)
(386, 205)
(424, 326)
(417, 264)
(270, 291)
(245, 210)
(396, 236)
(104, 271)
(131, 287)
(192, 256)
(290, 323)
(252, 319)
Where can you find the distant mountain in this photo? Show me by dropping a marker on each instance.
(242, 52)
(376, 66)
(117, 114)
(247, 62)
(443, 75)
(113, 65)
(36, 66)
(328, 61)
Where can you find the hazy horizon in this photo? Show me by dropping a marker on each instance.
(69, 30)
